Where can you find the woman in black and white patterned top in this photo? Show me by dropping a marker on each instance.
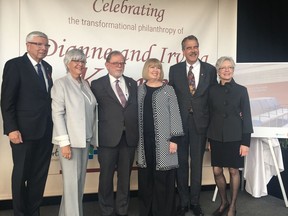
(159, 127)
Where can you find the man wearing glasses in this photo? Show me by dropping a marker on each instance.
(26, 111)
(118, 133)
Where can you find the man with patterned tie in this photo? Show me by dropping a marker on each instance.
(191, 80)
(26, 111)
(118, 133)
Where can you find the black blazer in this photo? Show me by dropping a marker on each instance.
(25, 105)
(199, 101)
(230, 113)
(113, 118)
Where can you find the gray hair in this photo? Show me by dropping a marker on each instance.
(74, 54)
(222, 59)
(33, 34)
(190, 37)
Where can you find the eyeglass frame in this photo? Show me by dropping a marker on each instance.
(122, 64)
(39, 44)
(226, 68)
(79, 61)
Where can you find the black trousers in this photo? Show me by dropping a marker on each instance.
(156, 189)
(192, 146)
(31, 160)
(119, 158)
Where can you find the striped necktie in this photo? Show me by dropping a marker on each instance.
(120, 93)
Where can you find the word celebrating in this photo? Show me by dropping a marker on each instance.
(124, 8)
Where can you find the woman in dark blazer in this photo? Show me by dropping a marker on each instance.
(229, 131)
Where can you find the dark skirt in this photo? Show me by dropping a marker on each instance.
(226, 154)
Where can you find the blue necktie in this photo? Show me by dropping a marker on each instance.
(41, 76)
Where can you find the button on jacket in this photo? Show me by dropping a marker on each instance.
(230, 115)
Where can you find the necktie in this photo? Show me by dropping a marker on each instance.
(120, 93)
(41, 76)
(191, 80)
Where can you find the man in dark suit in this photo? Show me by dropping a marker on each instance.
(26, 111)
(195, 116)
(116, 95)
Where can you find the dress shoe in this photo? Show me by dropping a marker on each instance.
(182, 210)
(219, 212)
(196, 209)
(121, 215)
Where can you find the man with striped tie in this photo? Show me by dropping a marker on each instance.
(118, 133)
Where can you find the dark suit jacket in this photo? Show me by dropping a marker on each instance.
(25, 105)
(230, 113)
(113, 118)
(199, 101)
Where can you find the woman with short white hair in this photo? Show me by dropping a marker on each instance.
(229, 132)
(74, 118)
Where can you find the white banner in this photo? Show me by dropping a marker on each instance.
(140, 29)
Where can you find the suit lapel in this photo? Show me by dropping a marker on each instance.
(33, 74)
(34, 78)
(183, 75)
(130, 91)
(109, 90)
(202, 80)
(48, 74)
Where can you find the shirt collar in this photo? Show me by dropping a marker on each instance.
(228, 84)
(34, 63)
(196, 64)
(113, 79)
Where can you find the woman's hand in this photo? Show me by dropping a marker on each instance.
(66, 152)
(173, 148)
(243, 150)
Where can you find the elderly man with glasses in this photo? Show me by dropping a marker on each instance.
(118, 133)
(26, 111)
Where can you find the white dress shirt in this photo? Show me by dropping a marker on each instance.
(43, 69)
(122, 85)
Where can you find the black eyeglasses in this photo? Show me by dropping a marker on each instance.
(40, 44)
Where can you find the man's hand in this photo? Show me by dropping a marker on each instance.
(15, 137)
